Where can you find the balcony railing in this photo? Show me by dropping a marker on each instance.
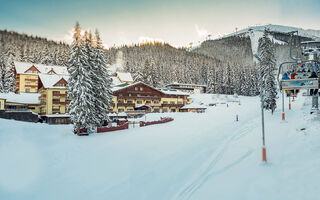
(172, 105)
(59, 95)
(126, 104)
(60, 102)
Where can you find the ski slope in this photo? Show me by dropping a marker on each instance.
(197, 156)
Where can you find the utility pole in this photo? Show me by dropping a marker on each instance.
(264, 150)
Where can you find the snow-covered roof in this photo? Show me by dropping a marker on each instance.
(194, 105)
(121, 114)
(59, 115)
(49, 80)
(164, 91)
(186, 84)
(115, 80)
(22, 67)
(125, 76)
(174, 92)
(25, 98)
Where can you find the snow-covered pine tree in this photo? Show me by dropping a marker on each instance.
(266, 52)
(80, 85)
(46, 57)
(138, 76)
(270, 92)
(9, 78)
(103, 93)
(1, 73)
(210, 78)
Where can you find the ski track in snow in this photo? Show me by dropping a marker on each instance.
(209, 169)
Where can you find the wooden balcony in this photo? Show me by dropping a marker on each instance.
(59, 95)
(126, 104)
(31, 86)
(60, 102)
(172, 105)
(140, 97)
(30, 79)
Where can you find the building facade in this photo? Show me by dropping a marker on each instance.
(53, 98)
(190, 88)
(27, 75)
(141, 96)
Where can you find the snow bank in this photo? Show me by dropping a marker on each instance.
(197, 156)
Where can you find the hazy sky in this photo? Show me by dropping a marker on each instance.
(178, 22)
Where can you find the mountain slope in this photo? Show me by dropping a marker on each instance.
(239, 47)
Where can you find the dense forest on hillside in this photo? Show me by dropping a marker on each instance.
(33, 49)
(227, 68)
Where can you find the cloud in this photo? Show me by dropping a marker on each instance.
(201, 31)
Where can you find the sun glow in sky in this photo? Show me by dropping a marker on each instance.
(178, 22)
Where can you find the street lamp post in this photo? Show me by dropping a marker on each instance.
(264, 151)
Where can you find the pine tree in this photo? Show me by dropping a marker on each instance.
(1, 74)
(138, 76)
(267, 56)
(270, 93)
(210, 78)
(103, 93)
(80, 86)
(9, 78)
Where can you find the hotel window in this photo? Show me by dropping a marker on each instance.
(156, 102)
(165, 102)
(129, 95)
(28, 90)
(141, 89)
(171, 102)
(136, 89)
(120, 110)
(139, 102)
(173, 110)
(164, 110)
(148, 102)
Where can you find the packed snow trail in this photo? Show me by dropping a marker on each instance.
(213, 160)
(197, 156)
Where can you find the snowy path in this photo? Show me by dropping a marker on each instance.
(197, 156)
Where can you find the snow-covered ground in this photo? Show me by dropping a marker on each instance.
(197, 156)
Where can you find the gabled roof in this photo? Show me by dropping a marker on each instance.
(115, 80)
(25, 98)
(115, 89)
(23, 67)
(50, 80)
(32, 68)
(125, 76)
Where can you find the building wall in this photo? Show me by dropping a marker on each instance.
(53, 101)
(27, 83)
(140, 94)
(32, 107)
(2, 102)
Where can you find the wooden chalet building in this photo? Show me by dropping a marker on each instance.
(142, 96)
